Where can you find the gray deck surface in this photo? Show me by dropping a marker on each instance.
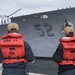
(41, 67)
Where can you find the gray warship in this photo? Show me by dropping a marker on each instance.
(42, 31)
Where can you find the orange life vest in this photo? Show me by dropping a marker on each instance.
(12, 47)
(68, 44)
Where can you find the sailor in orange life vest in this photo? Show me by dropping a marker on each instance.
(64, 55)
(15, 52)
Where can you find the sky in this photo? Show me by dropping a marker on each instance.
(7, 7)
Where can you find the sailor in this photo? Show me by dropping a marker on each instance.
(64, 55)
(15, 52)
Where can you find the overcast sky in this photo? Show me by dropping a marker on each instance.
(7, 7)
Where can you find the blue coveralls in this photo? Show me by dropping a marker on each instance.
(20, 67)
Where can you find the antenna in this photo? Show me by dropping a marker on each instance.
(14, 12)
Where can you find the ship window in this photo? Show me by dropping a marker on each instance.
(44, 16)
(23, 19)
(35, 16)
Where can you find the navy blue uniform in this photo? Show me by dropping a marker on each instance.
(20, 67)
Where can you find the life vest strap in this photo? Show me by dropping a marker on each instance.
(69, 59)
(14, 58)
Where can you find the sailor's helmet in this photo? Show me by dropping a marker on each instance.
(68, 29)
(12, 26)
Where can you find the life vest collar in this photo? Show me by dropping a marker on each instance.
(67, 39)
(12, 35)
